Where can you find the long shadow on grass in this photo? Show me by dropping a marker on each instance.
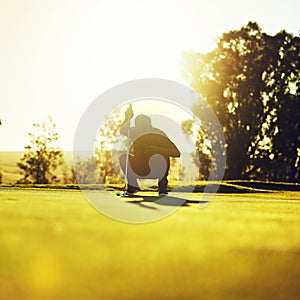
(268, 186)
(224, 188)
(166, 200)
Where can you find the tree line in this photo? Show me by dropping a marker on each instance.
(43, 159)
(251, 80)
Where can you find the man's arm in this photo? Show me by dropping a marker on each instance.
(167, 148)
(126, 123)
(172, 151)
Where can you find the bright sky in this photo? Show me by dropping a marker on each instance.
(57, 56)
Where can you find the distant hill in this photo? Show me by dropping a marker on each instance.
(9, 168)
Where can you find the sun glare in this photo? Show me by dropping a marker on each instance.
(60, 55)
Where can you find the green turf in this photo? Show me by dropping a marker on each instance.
(55, 245)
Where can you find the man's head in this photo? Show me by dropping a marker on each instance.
(142, 121)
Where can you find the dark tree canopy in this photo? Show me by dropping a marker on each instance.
(252, 82)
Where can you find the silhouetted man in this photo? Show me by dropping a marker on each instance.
(149, 153)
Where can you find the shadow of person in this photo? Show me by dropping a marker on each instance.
(165, 200)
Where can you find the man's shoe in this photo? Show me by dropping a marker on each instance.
(131, 190)
(130, 194)
(162, 194)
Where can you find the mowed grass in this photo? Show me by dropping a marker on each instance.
(55, 245)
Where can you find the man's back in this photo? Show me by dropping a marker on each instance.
(156, 140)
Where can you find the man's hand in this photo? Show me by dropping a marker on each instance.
(129, 113)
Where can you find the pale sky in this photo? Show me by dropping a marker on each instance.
(57, 56)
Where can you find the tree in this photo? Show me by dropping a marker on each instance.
(86, 172)
(43, 156)
(251, 81)
(0, 169)
(108, 146)
(202, 158)
(68, 173)
(282, 127)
